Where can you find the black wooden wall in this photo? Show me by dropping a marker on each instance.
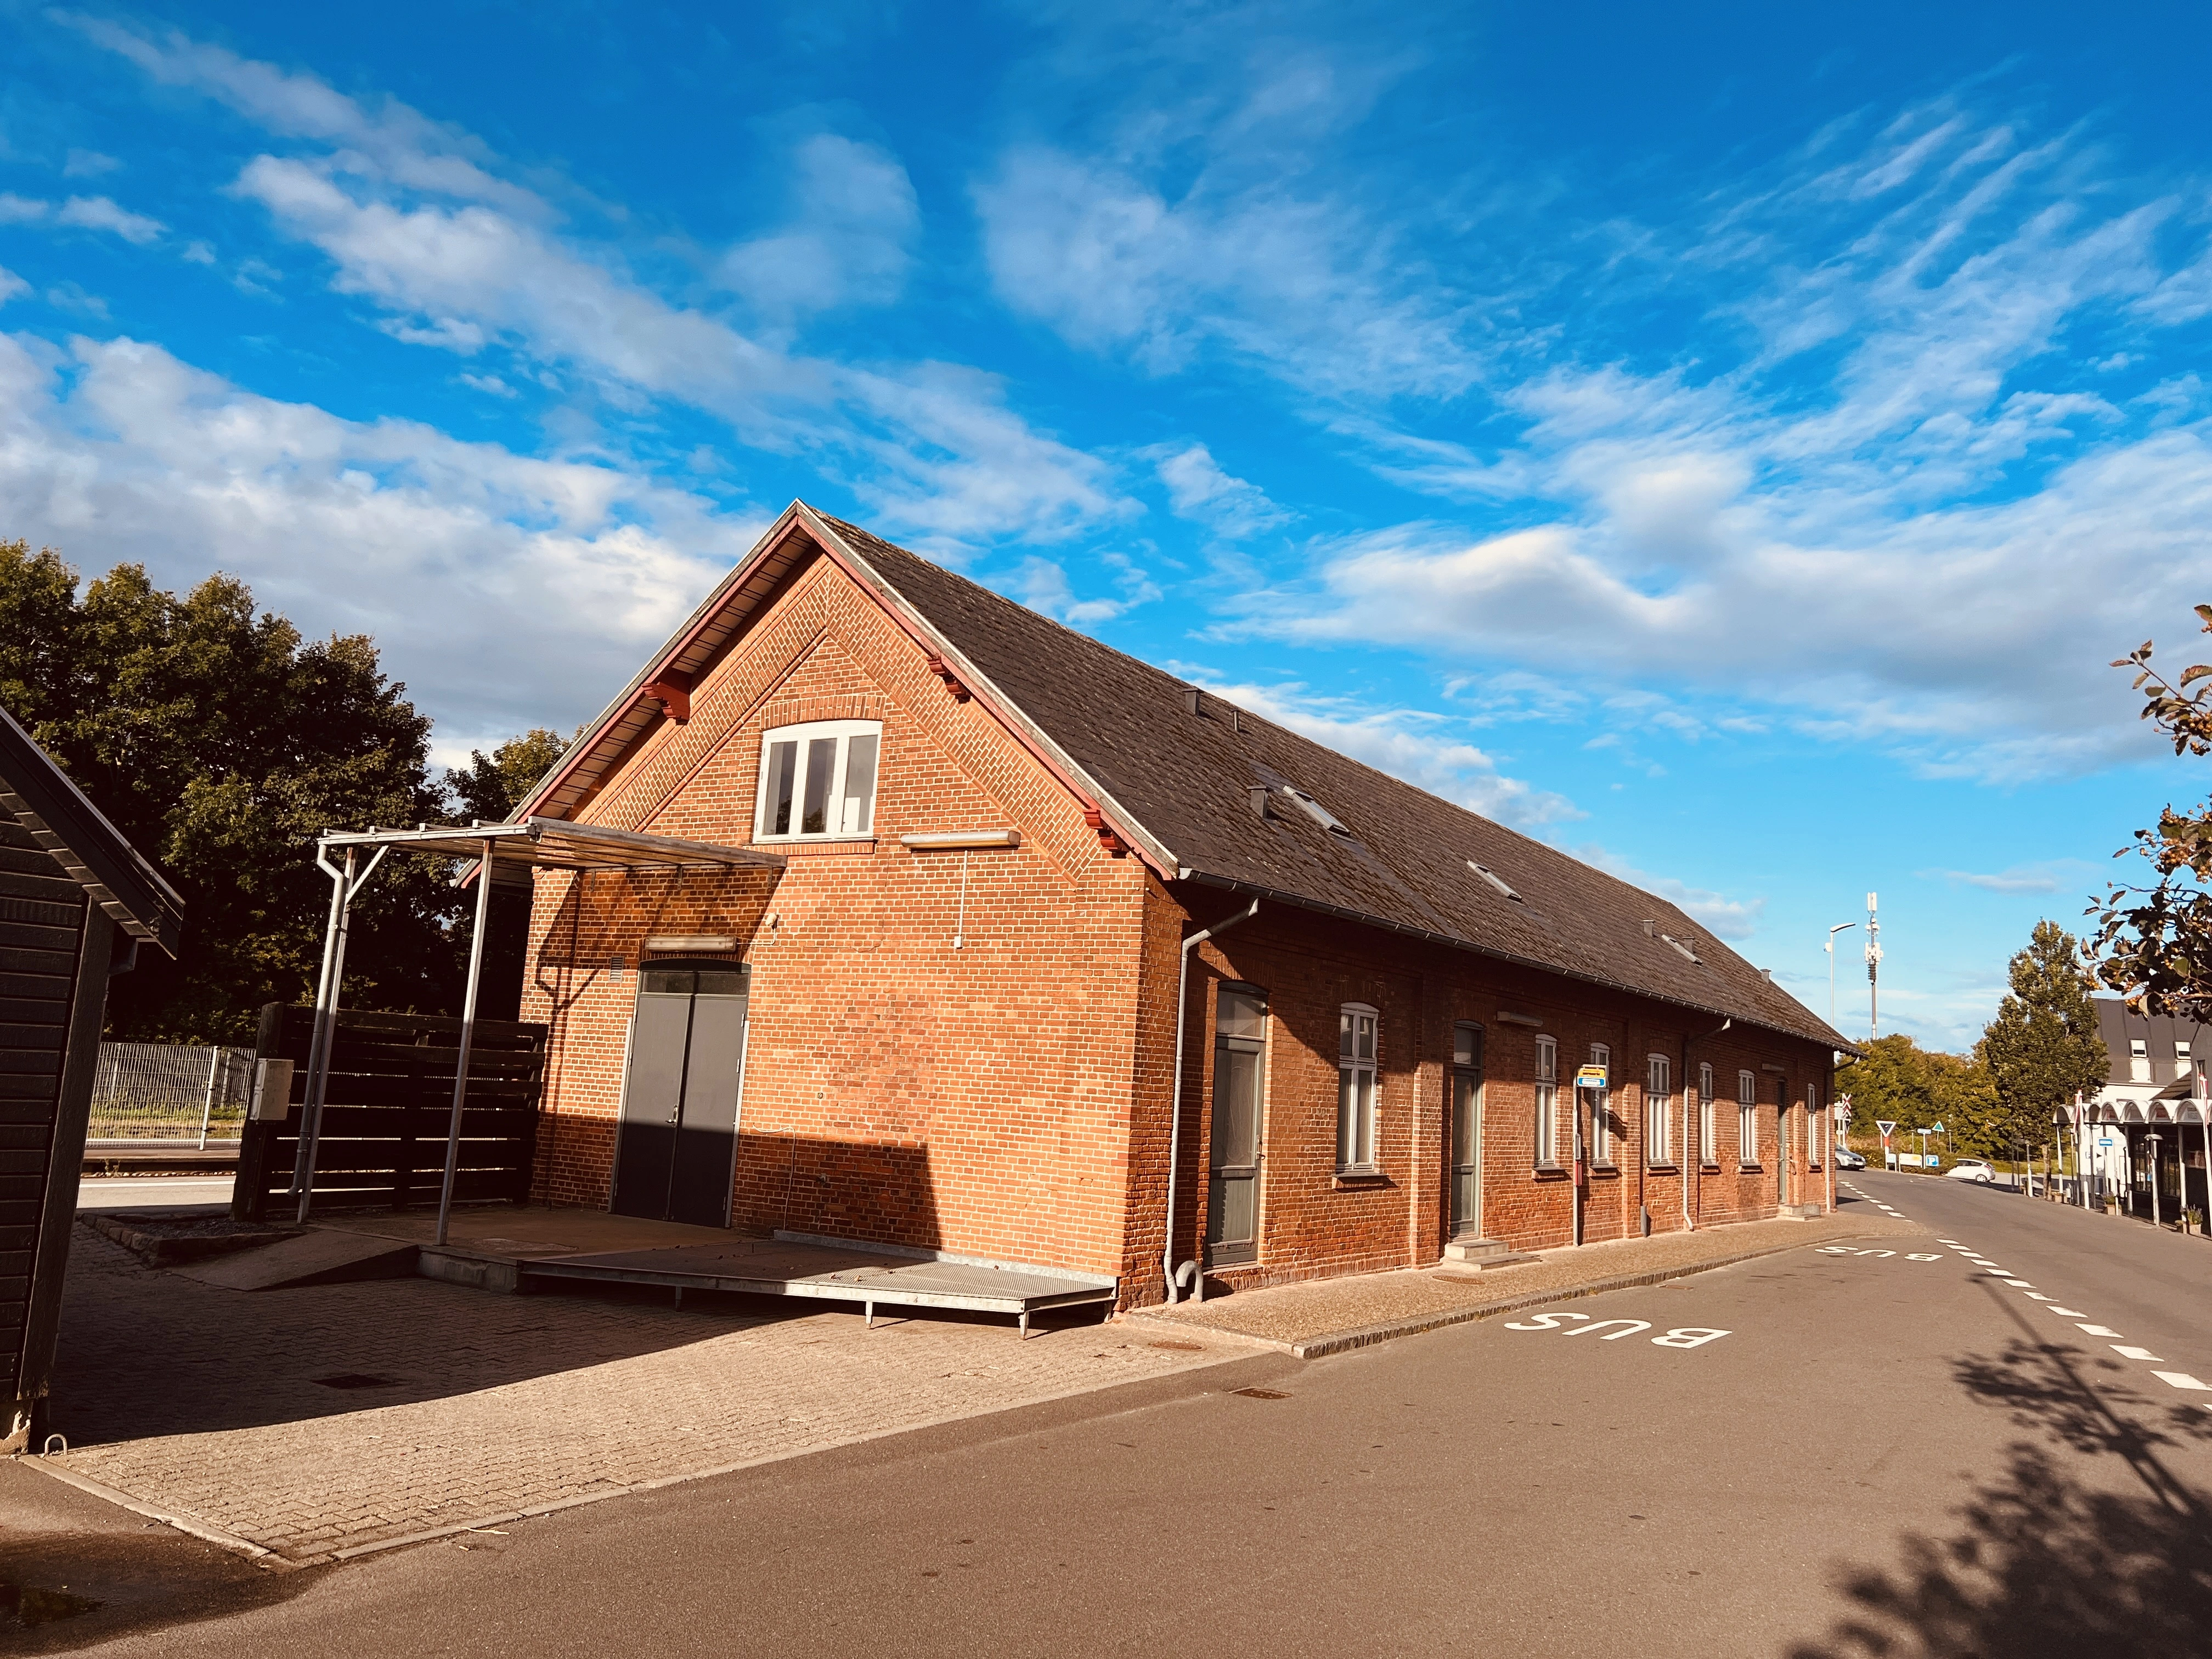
(54, 951)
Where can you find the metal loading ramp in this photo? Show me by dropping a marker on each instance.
(829, 1271)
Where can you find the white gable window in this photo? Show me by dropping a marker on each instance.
(818, 781)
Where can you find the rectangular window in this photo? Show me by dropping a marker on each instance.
(1600, 1108)
(2182, 1064)
(2138, 1060)
(1355, 1090)
(1708, 1142)
(1548, 1100)
(1814, 1152)
(1658, 1109)
(818, 781)
(1746, 1118)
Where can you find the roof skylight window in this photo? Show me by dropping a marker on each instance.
(1680, 946)
(1496, 880)
(1319, 814)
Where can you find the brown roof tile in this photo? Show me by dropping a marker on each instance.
(1405, 864)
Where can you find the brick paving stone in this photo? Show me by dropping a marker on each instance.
(192, 1397)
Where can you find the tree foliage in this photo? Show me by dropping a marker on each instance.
(1898, 1081)
(221, 743)
(2043, 1044)
(2154, 944)
(492, 786)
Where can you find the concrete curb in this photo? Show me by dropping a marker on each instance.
(199, 1529)
(1367, 1336)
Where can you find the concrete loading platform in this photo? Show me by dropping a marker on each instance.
(512, 1249)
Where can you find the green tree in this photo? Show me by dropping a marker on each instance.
(1893, 1082)
(2154, 944)
(2043, 1045)
(492, 786)
(222, 743)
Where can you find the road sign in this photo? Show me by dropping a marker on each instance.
(1885, 1124)
(1935, 1129)
(2105, 1140)
(1591, 1077)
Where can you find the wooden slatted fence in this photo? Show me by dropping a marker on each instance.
(387, 1111)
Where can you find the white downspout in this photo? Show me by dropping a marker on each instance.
(1175, 1110)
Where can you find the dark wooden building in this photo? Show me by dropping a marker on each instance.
(76, 901)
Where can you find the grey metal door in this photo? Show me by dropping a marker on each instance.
(1232, 1210)
(677, 1146)
(1466, 1132)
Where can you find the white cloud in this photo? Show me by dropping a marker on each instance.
(88, 164)
(2019, 879)
(1407, 742)
(419, 225)
(848, 240)
(1043, 586)
(1199, 489)
(1731, 919)
(197, 252)
(84, 212)
(11, 285)
(490, 384)
(505, 590)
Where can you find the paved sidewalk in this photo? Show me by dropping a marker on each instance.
(1329, 1315)
(315, 1422)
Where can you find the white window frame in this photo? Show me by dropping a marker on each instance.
(844, 820)
(1601, 1150)
(1547, 1101)
(1708, 1137)
(1813, 1152)
(1658, 1102)
(1747, 1119)
(1358, 1091)
(2138, 1060)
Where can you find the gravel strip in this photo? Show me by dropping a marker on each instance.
(1331, 1314)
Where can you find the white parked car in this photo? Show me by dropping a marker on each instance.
(1971, 1169)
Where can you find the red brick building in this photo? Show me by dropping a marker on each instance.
(949, 1021)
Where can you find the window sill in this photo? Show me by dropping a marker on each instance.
(1610, 1171)
(1708, 1169)
(819, 847)
(1662, 1168)
(1748, 1169)
(1549, 1170)
(1357, 1180)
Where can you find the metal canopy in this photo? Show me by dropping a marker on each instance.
(535, 843)
(557, 844)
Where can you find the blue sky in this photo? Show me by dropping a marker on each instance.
(1729, 446)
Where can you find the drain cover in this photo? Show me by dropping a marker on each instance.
(356, 1380)
(1260, 1393)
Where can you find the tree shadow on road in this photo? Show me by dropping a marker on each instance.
(2086, 1542)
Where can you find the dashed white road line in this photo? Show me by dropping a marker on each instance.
(2126, 1351)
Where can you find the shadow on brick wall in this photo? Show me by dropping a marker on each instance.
(882, 1192)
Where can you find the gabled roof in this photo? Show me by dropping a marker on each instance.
(83, 842)
(1178, 787)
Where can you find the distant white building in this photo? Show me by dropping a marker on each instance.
(2149, 1089)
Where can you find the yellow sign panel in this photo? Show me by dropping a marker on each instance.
(1591, 1077)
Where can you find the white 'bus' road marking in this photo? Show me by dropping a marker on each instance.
(1685, 1336)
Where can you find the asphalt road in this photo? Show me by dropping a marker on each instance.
(1881, 1454)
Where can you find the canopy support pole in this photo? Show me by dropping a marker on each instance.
(344, 883)
(468, 1036)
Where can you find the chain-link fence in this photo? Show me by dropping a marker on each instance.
(170, 1093)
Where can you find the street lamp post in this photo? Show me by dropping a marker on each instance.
(2152, 1139)
(1830, 949)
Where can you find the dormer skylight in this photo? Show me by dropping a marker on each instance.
(1319, 814)
(1496, 880)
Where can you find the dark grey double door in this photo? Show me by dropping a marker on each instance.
(677, 1146)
